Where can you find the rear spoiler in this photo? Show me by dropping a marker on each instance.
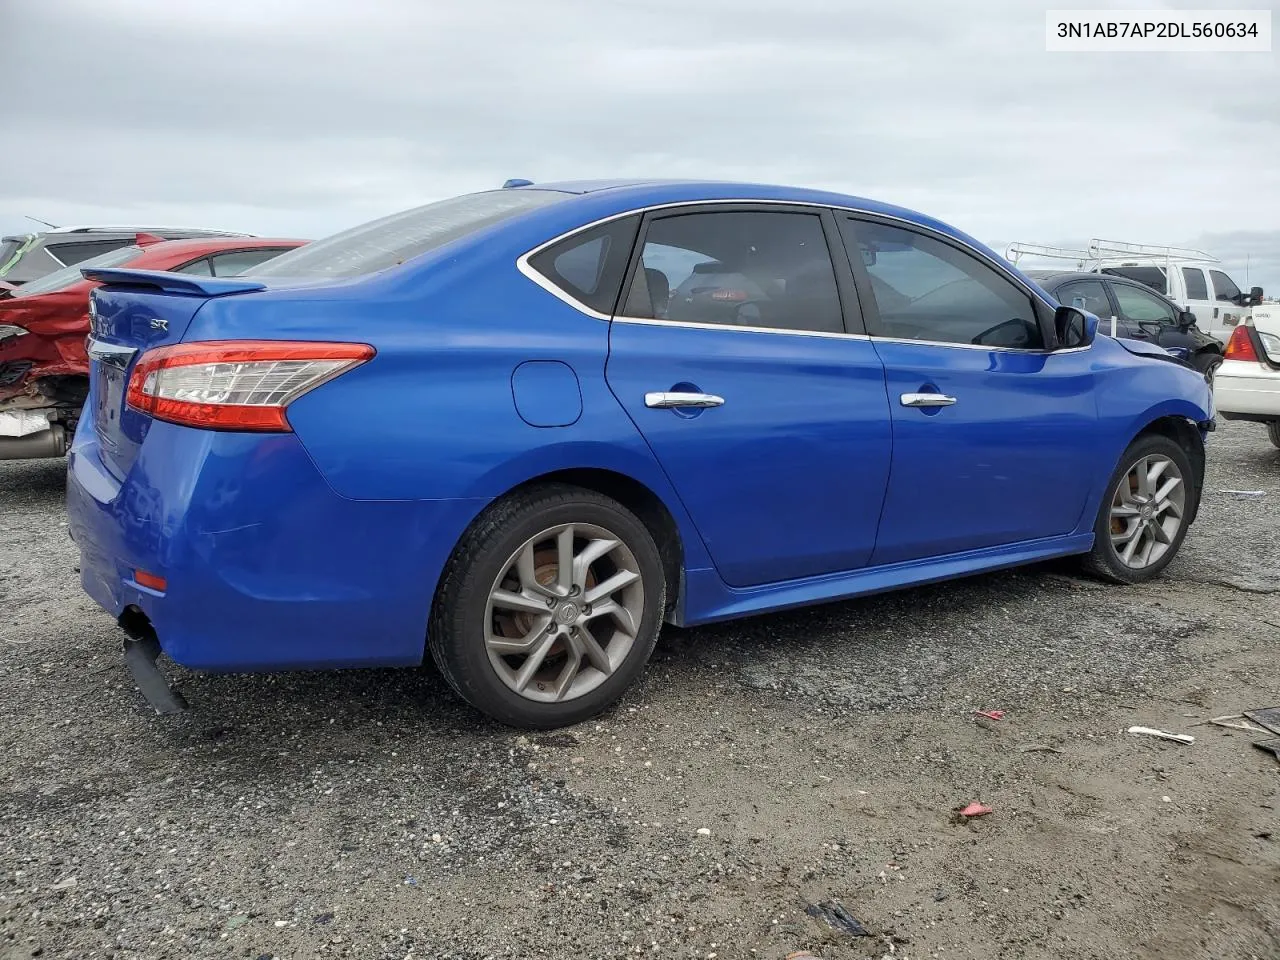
(172, 282)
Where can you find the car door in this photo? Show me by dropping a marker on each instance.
(739, 354)
(992, 433)
(1092, 295)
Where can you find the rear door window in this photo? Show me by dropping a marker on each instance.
(1197, 289)
(747, 268)
(1152, 277)
(1138, 305)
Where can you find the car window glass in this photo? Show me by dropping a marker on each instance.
(69, 275)
(198, 268)
(391, 241)
(928, 290)
(1087, 295)
(71, 253)
(233, 263)
(1224, 288)
(590, 265)
(1139, 305)
(1197, 289)
(1152, 277)
(738, 268)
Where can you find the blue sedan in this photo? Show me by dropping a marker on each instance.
(522, 428)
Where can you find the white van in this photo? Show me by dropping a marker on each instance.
(1192, 279)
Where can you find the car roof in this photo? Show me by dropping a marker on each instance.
(638, 193)
(97, 232)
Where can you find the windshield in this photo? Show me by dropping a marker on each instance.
(402, 236)
(69, 275)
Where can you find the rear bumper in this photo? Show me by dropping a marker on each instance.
(1246, 390)
(265, 567)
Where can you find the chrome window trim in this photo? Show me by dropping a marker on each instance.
(522, 264)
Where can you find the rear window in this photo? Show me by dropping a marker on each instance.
(1152, 277)
(392, 240)
(69, 275)
(1197, 289)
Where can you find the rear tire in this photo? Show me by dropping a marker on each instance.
(531, 648)
(1273, 431)
(1143, 517)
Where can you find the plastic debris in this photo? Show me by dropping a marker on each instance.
(990, 714)
(802, 955)
(1270, 746)
(1230, 721)
(1161, 734)
(837, 918)
(1245, 494)
(67, 883)
(1039, 748)
(976, 810)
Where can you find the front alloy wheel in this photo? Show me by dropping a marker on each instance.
(1147, 509)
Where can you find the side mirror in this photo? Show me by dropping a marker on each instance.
(1074, 327)
(1186, 320)
(1255, 297)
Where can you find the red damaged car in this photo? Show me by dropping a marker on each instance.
(44, 370)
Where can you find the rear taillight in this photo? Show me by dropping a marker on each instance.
(235, 384)
(1240, 346)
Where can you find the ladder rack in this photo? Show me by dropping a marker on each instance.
(1111, 253)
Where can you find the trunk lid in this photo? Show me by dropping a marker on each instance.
(134, 311)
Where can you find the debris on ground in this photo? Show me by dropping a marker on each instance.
(1245, 494)
(1230, 721)
(1269, 717)
(837, 917)
(802, 955)
(1163, 735)
(975, 810)
(990, 714)
(1039, 748)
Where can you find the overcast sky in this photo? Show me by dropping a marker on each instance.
(303, 117)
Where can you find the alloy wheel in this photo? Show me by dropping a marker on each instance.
(564, 612)
(1147, 510)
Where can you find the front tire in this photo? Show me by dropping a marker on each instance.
(1143, 517)
(1207, 364)
(549, 607)
(1273, 432)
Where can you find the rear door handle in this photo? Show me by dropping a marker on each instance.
(926, 400)
(668, 400)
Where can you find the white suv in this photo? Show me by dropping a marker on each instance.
(1247, 383)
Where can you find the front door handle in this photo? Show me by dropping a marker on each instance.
(926, 400)
(668, 400)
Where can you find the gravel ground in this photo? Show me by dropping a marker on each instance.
(761, 767)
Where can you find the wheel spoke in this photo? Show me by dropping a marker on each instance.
(621, 615)
(534, 661)
(1159, 534)
(518, 601)
(510, 646)
(1170, 507)
(527, 572)
(564, 561)
(594, 652)
(1144, 477)
(1132, 546)
(1154, 472)
(572, 664)
(611, 586)
(1119, 539)
(592, 552)
(1124, 510)
(1167, 488)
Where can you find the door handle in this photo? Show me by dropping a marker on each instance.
(669, 401)
(926, 400)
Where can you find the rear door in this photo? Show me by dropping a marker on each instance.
(738, 352)
(1198, 299)
(992, 434)
(1092, 295)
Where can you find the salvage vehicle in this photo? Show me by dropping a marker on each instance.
(28, 257)
(1130, 309)
(487, 431)
(1192, 279)
(1249, 387)
(44, 370)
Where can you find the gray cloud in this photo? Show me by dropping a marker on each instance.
(296, 117)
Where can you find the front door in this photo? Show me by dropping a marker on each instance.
(732, 356)
(991, 433)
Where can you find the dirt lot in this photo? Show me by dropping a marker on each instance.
(368, 815)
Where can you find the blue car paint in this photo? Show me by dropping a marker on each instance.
(324, 547)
